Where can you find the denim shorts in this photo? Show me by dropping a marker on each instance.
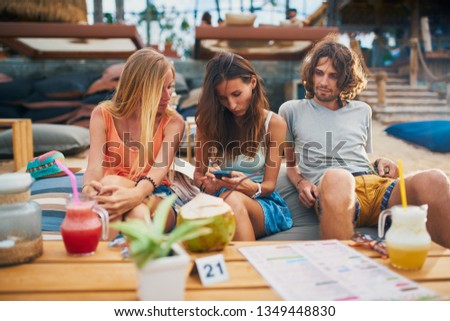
(163, 192)
(277, 216)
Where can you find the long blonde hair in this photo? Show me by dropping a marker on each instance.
(139, 91)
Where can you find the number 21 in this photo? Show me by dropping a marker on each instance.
(209, 267)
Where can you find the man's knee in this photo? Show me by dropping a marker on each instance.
(433, 180)
(337, 179)
(438, 178)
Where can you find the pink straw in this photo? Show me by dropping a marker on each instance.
(73, 180)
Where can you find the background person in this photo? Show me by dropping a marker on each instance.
(294, 19)
(206, 19)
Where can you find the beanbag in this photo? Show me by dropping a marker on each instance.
(15, 92)
(433, 134)
(67, 139)
(71, 85)
(40, 101)
(10, 111)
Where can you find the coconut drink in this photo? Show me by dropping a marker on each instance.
(223, 223)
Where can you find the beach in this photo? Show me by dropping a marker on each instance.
(414, 157)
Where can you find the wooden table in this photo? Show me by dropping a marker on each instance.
(105, 276)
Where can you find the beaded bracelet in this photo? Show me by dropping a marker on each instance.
(146, 178)
(375, 165)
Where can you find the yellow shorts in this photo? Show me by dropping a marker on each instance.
(372, 193)
(372, 196)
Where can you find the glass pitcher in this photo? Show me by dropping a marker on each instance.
(20, 220)
(83, 226)
(407, 240)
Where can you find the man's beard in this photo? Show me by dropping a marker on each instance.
(326, 98)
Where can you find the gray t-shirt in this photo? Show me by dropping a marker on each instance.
(326, 139)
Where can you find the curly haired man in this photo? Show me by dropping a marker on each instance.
(328, 162)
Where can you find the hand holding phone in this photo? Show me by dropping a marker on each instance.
(220, 174)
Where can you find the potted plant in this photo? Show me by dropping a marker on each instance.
(161, 262)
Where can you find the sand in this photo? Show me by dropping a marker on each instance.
(414, 157)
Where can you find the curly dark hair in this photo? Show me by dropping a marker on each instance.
(351, 77)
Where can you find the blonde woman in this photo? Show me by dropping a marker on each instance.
(134, 137)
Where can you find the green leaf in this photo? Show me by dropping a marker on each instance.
(134, 229)
(143, 246)
(195, 233)
(165, 249)
(189, 230)
(147, 239)
(161, 213)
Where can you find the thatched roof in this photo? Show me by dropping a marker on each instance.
(366, 15)
(43, 10)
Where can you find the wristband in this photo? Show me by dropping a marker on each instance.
(375, 165)
(258, 192)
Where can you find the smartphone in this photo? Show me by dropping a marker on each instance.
(220, 174)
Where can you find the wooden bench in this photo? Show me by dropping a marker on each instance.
(22, 140)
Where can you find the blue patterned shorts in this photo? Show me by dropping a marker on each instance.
(277, 216)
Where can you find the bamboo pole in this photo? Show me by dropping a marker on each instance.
(426, 36)
(22, 140)
(120, 11)
(413, 62)
(98, 11)
(381, 79)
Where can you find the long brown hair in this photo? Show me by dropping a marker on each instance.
(139, 91)
(351, 77)
(216, 123)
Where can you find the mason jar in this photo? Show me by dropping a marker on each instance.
(20, 220)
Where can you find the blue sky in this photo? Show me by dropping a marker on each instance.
(304, 7)
(270, 15)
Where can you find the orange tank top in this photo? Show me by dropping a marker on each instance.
(119, 158)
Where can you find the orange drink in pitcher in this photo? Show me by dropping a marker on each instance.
(407, 241)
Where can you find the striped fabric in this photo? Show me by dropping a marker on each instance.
(50, 194)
